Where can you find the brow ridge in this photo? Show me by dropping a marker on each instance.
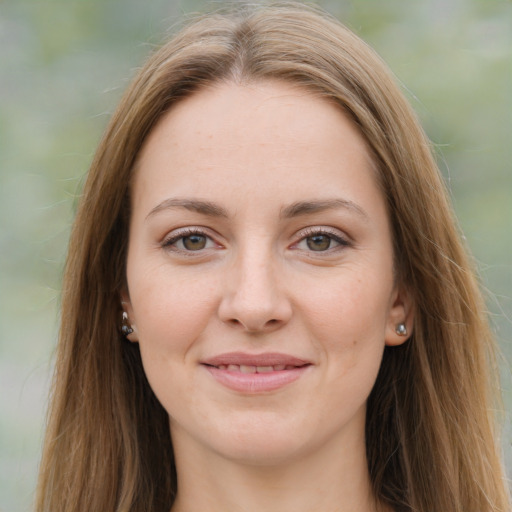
(308, 207)
(194, 205)
(293, 210)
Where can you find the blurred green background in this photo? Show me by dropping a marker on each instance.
(63, 67)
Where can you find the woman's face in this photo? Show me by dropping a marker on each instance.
(260, 273)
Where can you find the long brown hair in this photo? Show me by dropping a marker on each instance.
(431, 442)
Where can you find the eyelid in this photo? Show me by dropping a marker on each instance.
(336, 234)
(342, 239)
(175, 235)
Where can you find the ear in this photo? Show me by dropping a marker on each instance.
(126, 306)
(401, 312)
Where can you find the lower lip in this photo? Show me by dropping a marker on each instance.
(256, 382)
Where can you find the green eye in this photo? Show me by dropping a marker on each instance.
(194, 242)
(319, 242)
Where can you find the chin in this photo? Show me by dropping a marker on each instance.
(262, 439)
(261, 451)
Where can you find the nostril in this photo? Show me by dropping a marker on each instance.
(254, 327)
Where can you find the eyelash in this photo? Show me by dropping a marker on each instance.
(331, 233)
(169, 242)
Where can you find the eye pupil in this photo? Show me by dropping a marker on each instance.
(318, 242)
(194, 242)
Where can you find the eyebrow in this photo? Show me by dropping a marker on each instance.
(308, 207)
(294, 210)
(194, 205)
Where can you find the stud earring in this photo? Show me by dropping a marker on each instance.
(126, 328)
(401, 329)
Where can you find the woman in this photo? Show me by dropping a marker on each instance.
(267, 305)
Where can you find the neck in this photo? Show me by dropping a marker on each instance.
(321, 480)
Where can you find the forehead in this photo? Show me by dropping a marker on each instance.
(265, 135)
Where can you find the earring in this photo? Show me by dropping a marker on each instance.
(126, 328)
(401, 329)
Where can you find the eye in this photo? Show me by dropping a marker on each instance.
(188, 240)
(321, 240)
(194, 242)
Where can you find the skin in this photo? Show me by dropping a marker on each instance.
(262, 276)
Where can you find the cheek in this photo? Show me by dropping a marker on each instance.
(349, 310)
(347, 321)
(170, 312)
(348, 326)
(171, 315)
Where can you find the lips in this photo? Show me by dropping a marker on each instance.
(255, 373)
(244, 368)
(257, 360)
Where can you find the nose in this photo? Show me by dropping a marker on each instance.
(254, 297)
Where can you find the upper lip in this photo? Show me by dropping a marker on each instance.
(265, 359)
